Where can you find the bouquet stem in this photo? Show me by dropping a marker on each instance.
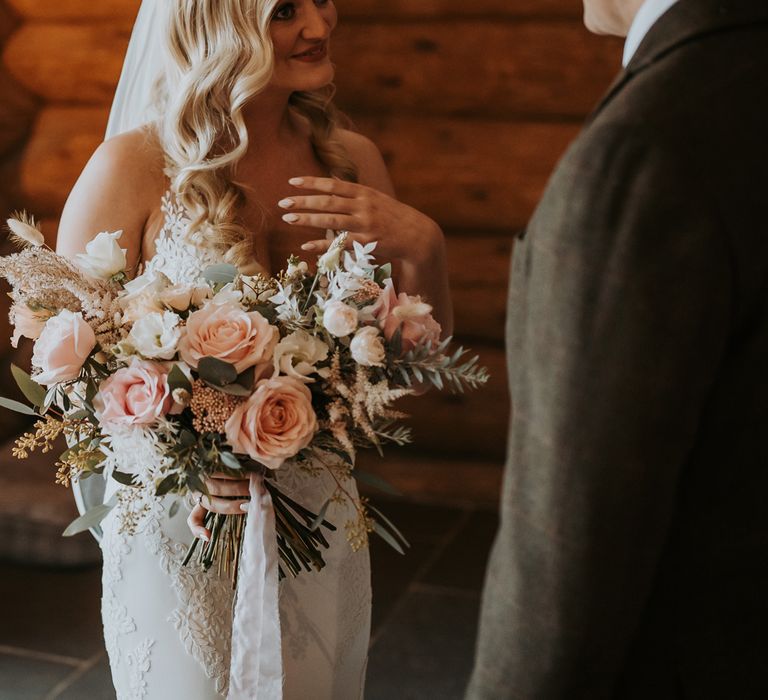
(299, 539)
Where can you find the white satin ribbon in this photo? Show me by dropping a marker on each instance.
(256, 670)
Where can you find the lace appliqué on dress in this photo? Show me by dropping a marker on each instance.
(139, 663)
(204, 616)
(181, 254)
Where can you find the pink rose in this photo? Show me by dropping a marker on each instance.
(134, 395)
(64, 345)
(275, 423)
(410, 314)
(228, 333)
(27, 323)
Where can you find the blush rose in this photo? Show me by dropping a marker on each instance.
(135, 395)
(409, 313)
(275, 423)
(229, 333)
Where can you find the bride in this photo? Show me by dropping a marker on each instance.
(225, 146)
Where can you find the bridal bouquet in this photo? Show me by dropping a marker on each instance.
(158, 385)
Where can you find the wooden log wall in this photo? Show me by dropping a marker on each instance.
(471, 103)
(18, 108)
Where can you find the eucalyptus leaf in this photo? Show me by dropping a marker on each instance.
(220, 274)
(387, 537)
(90, 519)
(178, 380)
(174, 509)
(235, 390)
(268, 312)
(90, 391)
(34, 393)
(167, 485)
(123, 478)
(217, 372)
(229, 460)
(375, 481)
(75, 448)
(50, 397)
(187, 438)
(17, 406)
(197, 484)
(383, 273)
(82, 414)
(247, 378)
(396, 342)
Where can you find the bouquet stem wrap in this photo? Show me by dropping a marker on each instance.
(256, 669)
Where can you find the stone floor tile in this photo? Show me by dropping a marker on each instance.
(54, 611)
(426, 649)
(462, 564)
(29, 679)
(95, 684)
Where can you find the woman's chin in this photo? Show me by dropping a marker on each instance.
(311, 78)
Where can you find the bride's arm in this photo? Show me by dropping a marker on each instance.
(115, 192)
(410, 239)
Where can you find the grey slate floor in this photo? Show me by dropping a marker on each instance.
(424, 615)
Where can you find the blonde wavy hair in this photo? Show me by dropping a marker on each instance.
(220, 57)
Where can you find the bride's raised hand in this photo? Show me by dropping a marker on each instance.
(403, 233)
(227, 495)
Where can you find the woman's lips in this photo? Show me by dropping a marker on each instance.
(316, 53)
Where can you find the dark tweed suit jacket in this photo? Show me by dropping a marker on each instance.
(632, 556)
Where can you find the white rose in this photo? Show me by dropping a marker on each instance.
(367, 347)
(62, 348)
(156, 335)
(340, 319)
(141, 296)
(228, 296)
(103, 257)
(180, 297)
(297, 354)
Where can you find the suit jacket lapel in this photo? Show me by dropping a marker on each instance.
(686, 21)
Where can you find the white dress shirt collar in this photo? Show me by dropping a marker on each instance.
(648, 14)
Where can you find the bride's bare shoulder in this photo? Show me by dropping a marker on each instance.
(135, 158)
(372, 169)
(119, 189)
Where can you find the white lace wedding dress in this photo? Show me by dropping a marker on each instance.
(168, 628)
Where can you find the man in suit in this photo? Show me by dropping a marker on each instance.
(632, 557)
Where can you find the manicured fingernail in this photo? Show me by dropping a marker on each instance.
(286, 203)
(205, 537)
(298, 181)
(290, 218)
(244, 507)
(308, 246)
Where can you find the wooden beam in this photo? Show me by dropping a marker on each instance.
(77, 10)
(365, 10)
(431, 478)
(67, 62)
(496, 69)
(472, 174)
(376, 10)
